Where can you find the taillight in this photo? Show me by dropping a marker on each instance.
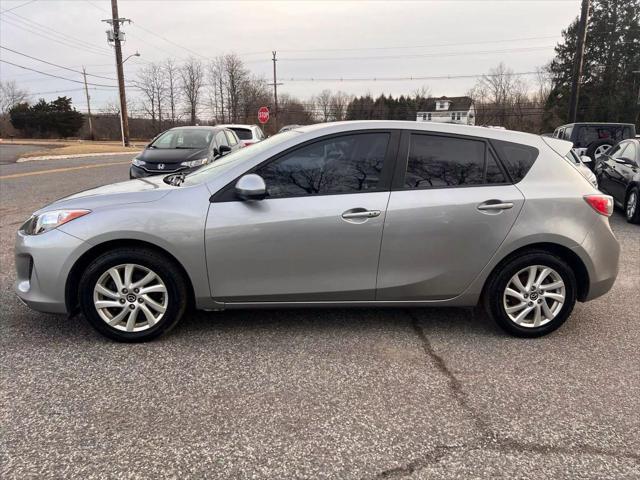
(248, 144)
(603, 204)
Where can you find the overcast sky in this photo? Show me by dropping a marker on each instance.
(320, 39)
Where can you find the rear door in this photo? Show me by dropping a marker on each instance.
(317, 235)
(451, 206)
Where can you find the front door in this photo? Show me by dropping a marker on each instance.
(317, 235)
(448, 213)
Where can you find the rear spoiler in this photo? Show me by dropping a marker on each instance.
(561, 147)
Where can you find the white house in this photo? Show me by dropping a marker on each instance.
(447, 110)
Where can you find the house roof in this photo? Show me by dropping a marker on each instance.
(456, 104)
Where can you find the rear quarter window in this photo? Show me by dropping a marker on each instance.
(517, 158)
(243, 133)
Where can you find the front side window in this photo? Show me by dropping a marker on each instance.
(436, 162)
(221, 139)
(231, 138)
(618, 150)
(631, 152)
(338, 165)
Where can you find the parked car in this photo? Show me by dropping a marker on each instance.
(248, 134)
(618, 174)
(363, 213)
(183, 149)
(593, 139)
(286, 128)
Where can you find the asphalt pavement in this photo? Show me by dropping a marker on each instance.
(344, 393)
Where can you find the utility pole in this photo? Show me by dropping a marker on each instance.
(578, 61)
(117, 36)
(92, 135)
(275, 92)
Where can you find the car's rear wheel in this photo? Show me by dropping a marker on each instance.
(531, 295)
(596, 150)
(632, 206)
(132, 294)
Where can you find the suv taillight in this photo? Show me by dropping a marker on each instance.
(603, 204)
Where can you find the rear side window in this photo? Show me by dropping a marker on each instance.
(231, 137)
(243, 133)
(517, 158)
(436, 162)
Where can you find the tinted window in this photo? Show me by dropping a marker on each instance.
(517, 158)
(221, 138)
(231, 137)
(346, 164)
(435, 161)
(243, 133)
(184, 138)
(592, 133)
(631, 152)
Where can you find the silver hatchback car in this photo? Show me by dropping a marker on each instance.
(366, 213)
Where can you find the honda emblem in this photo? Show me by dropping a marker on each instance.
(161, 166)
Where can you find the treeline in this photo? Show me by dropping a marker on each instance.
(46, 119)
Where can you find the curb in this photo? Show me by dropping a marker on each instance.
(78, 155)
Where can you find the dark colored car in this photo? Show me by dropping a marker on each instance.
(593, 139)
(618, 174)
(183, 149)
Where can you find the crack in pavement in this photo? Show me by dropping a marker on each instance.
(488, 438)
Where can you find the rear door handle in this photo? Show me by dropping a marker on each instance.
(358, 213)
(495, 206)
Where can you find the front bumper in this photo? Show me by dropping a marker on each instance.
(43, 263)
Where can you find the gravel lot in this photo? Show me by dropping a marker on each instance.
(433, 393)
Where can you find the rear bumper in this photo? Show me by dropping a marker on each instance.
(43, 263)
(600, 253)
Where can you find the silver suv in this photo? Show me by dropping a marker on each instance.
(365, 213)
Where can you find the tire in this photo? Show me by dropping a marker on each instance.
(497, 300)
(632, 206)
(597, 146)
(158, 303)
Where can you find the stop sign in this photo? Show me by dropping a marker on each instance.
(263, 115)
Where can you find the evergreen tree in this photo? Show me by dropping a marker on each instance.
(609, 88)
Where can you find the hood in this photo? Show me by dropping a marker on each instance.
(172, 155)
(132, 191)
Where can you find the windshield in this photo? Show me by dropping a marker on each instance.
(215, 169)
(183, 138)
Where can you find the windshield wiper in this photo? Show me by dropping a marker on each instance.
(174, 179)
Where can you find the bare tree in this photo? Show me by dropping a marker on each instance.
(192, 80)
(237, 77)
(339, 103)
(217, 88)
(322, 103)
(11, 95)
(171, 74)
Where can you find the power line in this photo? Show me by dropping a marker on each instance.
(62, 35)
(51, 38)
(400, 47)
(54, 64)
(55, 76)
(415, 55)
(396, 79)
(7, 10)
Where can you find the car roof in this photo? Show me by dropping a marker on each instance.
(598, 123)
(236, 125)
(433, 127)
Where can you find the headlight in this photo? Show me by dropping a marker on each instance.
(46, 221)
(138, 163)
(195, 163)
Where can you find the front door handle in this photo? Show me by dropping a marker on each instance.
(495, 205)
(360, 213)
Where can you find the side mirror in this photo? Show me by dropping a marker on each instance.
(224, 149)
(251, 187)
(585, 159)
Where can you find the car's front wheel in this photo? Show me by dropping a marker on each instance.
(132, 294)
(531, 295)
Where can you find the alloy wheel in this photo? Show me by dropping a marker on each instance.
(601, 150)
(130, 297)
(534, 296)
(632, 203)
